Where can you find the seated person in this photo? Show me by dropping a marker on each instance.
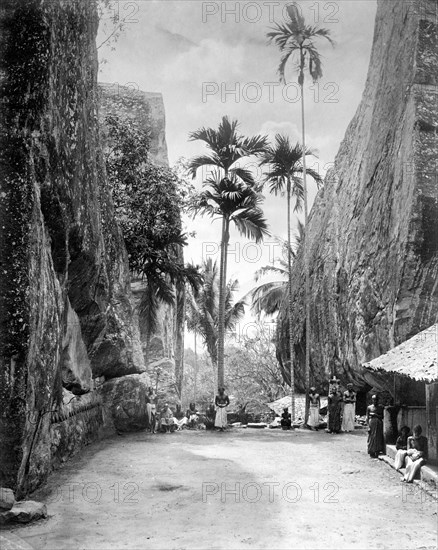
(209, 417)
(401, 446)
(179, 418)
(166, 422)
(286, 419)
(192, 416)
(416, 454)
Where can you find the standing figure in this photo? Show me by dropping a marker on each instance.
(221, 402)
(151, 409)
(402, 447)
(376, 443)
(286, 419)
(349, 409)
(315, 404)
(416, 454)
(334, 411)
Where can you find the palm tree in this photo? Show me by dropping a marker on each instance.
(267, 297)
(230, 193)
(295, 39)
(203, 309)
(284, 172)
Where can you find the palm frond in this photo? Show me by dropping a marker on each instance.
(251, 224)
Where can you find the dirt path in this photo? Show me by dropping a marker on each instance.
(239, 489)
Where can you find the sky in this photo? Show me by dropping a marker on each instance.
(210, 59)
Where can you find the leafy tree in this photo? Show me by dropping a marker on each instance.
(283, 174)
(296, 40)
(253, 376)
(231, 194)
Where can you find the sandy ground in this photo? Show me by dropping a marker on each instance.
(238, 489)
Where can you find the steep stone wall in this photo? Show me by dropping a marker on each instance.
(65, 310)
(373, 230)
(162, 350)
(147, 108)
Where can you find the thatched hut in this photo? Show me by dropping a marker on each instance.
(413, 365)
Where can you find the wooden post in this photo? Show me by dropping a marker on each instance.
(431, 420)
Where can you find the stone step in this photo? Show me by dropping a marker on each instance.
(428, 472)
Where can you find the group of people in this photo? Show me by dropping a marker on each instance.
(412, 449)
(168, 421)
(411, 452)
(341, 410)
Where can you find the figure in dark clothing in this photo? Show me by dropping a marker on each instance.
(334, 411)
(286, 419)
(376, 443)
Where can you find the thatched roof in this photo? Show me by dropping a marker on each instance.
(415, 358)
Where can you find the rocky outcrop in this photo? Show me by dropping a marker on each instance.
(125, 402)
(372, 237)
(163, 350)
(146, 108)
(65, 310)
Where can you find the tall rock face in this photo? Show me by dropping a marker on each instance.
(373, 230)
(66, 320)
(146, 108)
(162, 350)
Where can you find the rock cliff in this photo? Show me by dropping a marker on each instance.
(147, 108)
(66, 321)
(373, 230)
(161, 351)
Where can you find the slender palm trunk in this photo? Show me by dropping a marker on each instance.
(179, 340)
(306, 261)
(221, 319)
(291, 344)
(196, 371)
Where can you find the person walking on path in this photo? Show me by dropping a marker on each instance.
(315, 404)
(349, 409)
(376, 443)
(222, 401)
(334, 411)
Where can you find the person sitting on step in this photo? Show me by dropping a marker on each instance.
(416, 454)
(401, 446)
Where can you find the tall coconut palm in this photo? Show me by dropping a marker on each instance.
(203, 309)
(296, 40)
(232, 194)
(284, 172)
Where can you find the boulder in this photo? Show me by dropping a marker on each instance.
(24, 512)
(7, 498)
(125, 401)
